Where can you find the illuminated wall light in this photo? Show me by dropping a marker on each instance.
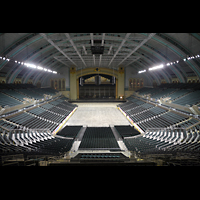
(40, 68)
(142, 71)
(156, 67)
(31, 65)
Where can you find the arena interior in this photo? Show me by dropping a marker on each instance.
(120, 99)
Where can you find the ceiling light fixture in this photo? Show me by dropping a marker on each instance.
(27, 64)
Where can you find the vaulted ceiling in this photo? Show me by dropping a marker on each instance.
(140, 51)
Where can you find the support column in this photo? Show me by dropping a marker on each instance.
(116, 88)
(73, 83)
(120, 81)
(77, 87)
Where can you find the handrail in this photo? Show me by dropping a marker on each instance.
(25, 130)
(164, 129)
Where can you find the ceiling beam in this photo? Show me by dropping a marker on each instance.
(120, 46)
(102, 44)
(56, 46)
(56, 57)
(84, 50)
(71, 41)
(131, 62)
(92, 44)
(137, 47)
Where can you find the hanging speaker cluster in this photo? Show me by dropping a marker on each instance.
(98, 80)
(81, 81)
(113, 80)
(97, 48)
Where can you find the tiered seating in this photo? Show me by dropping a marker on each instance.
(69, 131)
(41, 113)
(32, 142)
(14, 94)
(25, 120)
(178, 94)
(190, 99)
(126, 131)
(8, 101)
(176, 139)
(161, 121)
(191, 143)
(60, 103)
(139, 109)
(139, 144)
(163, 93)
(31, 94)
(55, 109)
(98, 138)
(151, 91)
(181, 93)
(7, 125)
(29, 132)
(99, 157)
(131, 104)
(152, 112)
(166, 141)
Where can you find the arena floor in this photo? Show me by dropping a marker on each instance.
(97, 114)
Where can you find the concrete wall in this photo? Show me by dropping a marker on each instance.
(64, 73)
(130, 72)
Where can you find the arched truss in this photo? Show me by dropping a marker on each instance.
(61, 49)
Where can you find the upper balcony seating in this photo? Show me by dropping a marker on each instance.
(190, 99)
(8, 101)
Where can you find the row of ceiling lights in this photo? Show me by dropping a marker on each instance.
(30, 65)
(170, 63)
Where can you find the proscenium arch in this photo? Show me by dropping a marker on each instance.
(87, 71)
(101, 70)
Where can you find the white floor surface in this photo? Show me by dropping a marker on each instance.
(98, 115)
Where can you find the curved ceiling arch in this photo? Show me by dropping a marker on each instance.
(151, 62)
(178, 50)
(43, 75)
(152, 75)
(164, 58)
(117, 46)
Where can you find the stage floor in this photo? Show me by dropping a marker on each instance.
(97, 115)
